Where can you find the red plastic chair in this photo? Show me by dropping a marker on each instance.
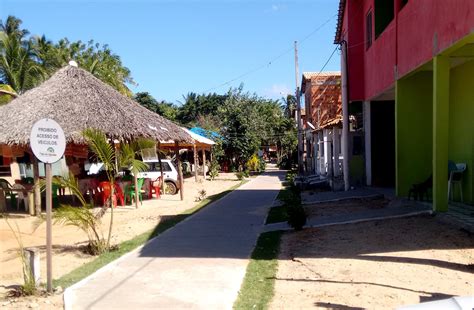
(119, 195)
(156, 187)
(105, 191)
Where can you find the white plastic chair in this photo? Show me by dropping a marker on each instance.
(21, 196)
(455, 177)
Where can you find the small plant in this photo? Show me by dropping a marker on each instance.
(214, 169)
(29, 285)
(253, 163)
(85, 219)
(242, 174)
(296, 217)
(201, 195)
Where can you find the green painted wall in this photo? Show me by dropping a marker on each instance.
(413, 130)
(461, 125)
(357, 170)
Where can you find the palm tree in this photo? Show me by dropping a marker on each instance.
(6, 94)
(113, 161)
(18, 67)
(11, 27)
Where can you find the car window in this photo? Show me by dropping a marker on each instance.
(156, 167)
(166, 167)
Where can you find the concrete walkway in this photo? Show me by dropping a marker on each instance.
(198, 264)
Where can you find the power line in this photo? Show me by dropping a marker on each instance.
(271, 61)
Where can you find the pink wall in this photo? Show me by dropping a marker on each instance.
(423, 28)
(427, 27)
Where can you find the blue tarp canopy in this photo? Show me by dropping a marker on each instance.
(205, 133)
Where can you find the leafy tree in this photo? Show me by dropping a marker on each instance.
(200, 108)
(163, 108)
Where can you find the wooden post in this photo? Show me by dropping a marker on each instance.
(161, 169)
(37, 189)
(204, 162)
(180, 171)
(49, 265)
(135, 180)
(196, 161)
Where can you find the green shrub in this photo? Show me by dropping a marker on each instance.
(214, 169)
(296, 216)
(253, 163)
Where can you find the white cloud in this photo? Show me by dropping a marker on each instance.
(276, 91)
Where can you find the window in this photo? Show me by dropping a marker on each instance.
(156, 167)
(384, 13)
(368, 30)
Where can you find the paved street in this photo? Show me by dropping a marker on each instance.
(199, 264)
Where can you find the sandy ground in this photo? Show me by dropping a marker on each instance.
(67, 241)
(374, 265)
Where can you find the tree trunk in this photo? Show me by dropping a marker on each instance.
(135, 180)
(180, 171)
(204, 162)
(196, 162)
(111, 201)
(37, 188)
(162, 185)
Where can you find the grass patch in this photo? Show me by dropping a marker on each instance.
(258, 286)
(277, 215)
(290, 197)
(87, 269)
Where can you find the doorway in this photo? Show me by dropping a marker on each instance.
(382, 117)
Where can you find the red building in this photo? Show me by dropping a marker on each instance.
(409, 67)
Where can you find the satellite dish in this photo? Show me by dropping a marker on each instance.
(73, 63)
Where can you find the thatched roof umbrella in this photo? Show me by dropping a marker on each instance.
(77, 100)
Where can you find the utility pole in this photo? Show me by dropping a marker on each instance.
(298, 114)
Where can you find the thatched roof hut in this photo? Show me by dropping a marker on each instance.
(77, 100)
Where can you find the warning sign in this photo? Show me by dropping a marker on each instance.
(47, 140)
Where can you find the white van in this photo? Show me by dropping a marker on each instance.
(170, 174)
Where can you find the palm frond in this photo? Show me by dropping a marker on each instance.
(100, 146)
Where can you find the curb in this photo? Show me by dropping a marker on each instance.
(306, 203)
(278, 226)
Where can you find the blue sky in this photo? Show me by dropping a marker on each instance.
(175, 47)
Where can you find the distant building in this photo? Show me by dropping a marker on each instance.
(322, 96)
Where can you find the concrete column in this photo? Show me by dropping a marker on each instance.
(32, 257)
(336, 150)
(441, 69)
(330, 153)
(326, 150)
(368, 143)
(322, 167)
(315, 153)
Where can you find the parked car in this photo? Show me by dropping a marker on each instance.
(170, 174)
